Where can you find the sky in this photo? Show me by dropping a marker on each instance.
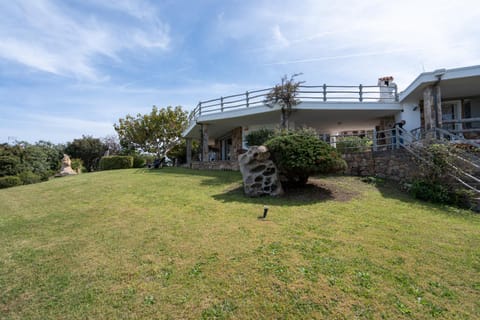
(70, 68)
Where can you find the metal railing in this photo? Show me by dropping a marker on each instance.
(323, 93)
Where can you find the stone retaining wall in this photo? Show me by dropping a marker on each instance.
(216, 165)
(398, 165)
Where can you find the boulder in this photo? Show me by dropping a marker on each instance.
(260, 175)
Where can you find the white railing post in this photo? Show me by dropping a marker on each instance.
(360, 87)
(200, 108)
(246, 98)
(324, 92)
(374, 140)
(221, 104)
(397, 138)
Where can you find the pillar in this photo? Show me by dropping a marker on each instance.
(428, 108)
(204, 142)
(189, 151)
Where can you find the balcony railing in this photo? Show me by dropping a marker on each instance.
(324, 93)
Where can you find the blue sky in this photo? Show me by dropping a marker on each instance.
(71, 67)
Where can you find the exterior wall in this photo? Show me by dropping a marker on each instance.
(411, 115)
(395, 165)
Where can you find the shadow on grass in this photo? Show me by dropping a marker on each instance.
(212, 177)
(309, 194)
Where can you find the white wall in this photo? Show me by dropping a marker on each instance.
(411, 116)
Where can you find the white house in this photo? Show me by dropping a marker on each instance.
(448, 99)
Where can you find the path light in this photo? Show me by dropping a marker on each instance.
(265, 210)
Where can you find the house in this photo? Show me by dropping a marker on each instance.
(448, 99)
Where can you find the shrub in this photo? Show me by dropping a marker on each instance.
(259, 137)
(353, 144)
(28, 177)
(139, 161)
(116, 162)
(77, 165)
(430, 191)
(9, 181)
(300, 154)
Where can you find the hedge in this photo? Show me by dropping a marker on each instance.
(9, 181)
(116, 162)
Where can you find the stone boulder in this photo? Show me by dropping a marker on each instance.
(66, 169)
(260, 175)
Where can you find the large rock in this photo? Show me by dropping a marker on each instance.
(260, 175)
(66, 169)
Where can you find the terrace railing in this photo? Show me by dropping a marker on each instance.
(324, 93)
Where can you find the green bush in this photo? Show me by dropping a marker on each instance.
(139, 161)
(9, 181)
(353, 144)
(259, 137)
(28, 177)
(116, 162)
(77, 165)
(300, 154)
(429, 191)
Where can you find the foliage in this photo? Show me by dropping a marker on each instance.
(436, 182)
(87, 148)
(112, 144)
(77, 165)
(179, 152)
(115, 162)
(259, 137)
(157, 132)
(352, 144)
(9, 181)
(300, 154)
(429, 191)
(31, 162)
(284, 94)
(29, 177)
(139, 161)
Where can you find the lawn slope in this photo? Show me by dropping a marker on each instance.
(183, 244)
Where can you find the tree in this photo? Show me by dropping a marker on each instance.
(89, 149)
(300, 154)
(157, 132)
(285, 95)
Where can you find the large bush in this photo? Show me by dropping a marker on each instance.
(300, 154)
(9, 181)
(259, 137)
(116, 162)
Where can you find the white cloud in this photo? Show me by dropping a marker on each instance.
(54, 38)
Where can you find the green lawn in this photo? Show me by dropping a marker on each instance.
(182, 244)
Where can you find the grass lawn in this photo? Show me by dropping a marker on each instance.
(183, 244)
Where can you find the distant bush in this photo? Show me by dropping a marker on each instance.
(77, 165)
(9, 181)
(28, 177)
(300, 154)
(353, 144)
(116, 162)
(139, 161)
(259, 137)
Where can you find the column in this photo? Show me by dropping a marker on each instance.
(189, 151)
(428, 108)
(204, 142)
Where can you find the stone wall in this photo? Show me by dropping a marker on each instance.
(398, 165)
(216, 165)
(236, 142)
